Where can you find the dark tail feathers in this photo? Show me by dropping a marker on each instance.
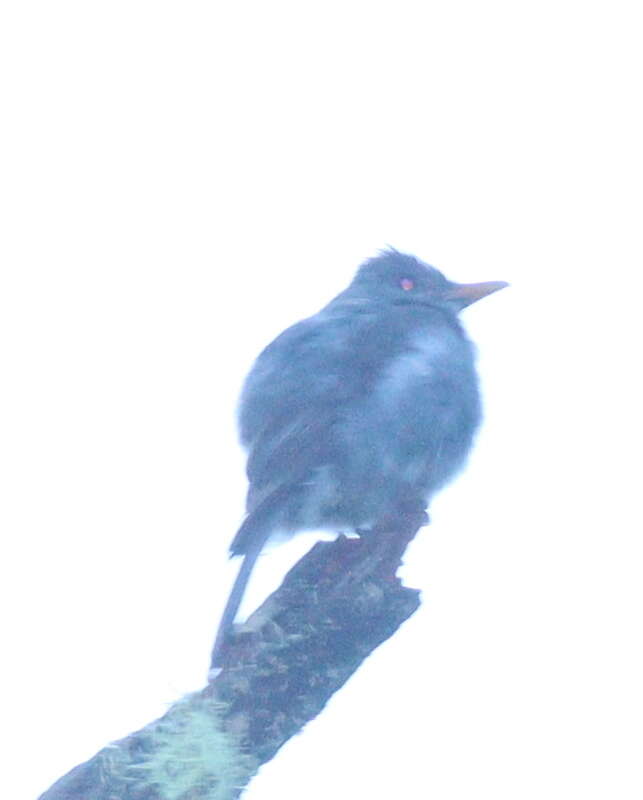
(251, 536)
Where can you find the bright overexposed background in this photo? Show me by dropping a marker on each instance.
(179, 182)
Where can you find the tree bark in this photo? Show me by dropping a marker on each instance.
(280, 668)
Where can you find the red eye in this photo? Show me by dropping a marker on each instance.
(407, 284)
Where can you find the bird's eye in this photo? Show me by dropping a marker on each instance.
(407, 284)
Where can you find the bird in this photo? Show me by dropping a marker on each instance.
(359, 412)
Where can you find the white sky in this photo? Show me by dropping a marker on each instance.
(179, 182)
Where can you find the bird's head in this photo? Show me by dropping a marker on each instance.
(402, 279)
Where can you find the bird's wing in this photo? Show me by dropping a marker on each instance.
(301, 368)
(296, 392)
(279, 466)
(298, 385)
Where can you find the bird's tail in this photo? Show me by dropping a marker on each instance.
(252, 536)
(235, 598)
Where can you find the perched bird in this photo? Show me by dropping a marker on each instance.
(358, 413)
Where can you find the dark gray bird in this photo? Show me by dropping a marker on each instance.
(358, 413)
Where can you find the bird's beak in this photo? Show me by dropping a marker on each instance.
(467, 293)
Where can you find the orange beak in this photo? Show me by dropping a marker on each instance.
(468, 293)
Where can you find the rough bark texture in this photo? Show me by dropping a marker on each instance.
(280, 669)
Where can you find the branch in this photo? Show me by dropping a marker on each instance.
(280, 669)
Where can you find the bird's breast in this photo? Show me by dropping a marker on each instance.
(413, 430)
